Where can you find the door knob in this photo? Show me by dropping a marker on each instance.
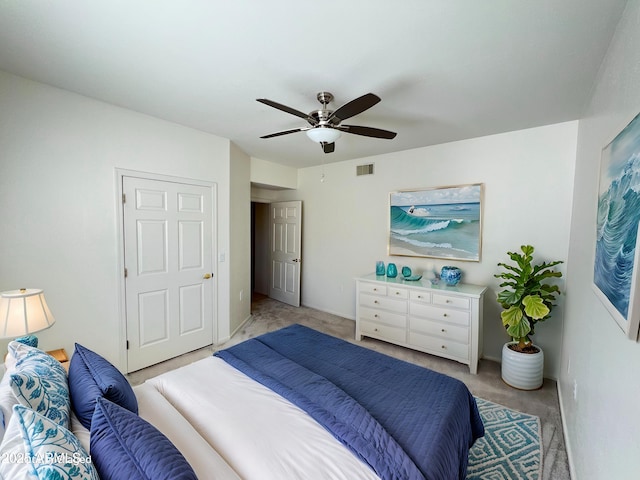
(207, 276)
(296, 260)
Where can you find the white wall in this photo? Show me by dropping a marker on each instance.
(239, 260)
(58, 155)
(273, 174)
(527, 176)
(603, 422)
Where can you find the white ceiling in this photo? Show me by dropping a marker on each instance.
(445, 69)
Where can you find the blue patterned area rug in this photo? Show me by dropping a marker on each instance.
(510, 448)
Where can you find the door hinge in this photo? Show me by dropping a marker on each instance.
(127, 344)
(125, 273)
(124, 198)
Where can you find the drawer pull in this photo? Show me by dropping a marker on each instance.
(443, 330)
(375, 289)
(444, 346)
(447, 301)
(419, 296)
(444, 314)
(397, 293)
(375, 329)
(376, 316)
(375, 301)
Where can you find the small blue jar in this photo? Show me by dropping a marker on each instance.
(450, 275)
(392, 270)
(380, 268)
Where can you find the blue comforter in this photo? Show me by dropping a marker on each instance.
(405, 421)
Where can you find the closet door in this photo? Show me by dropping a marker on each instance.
(168, 231)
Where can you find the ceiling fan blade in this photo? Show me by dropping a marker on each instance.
(285, 132)
(367, 131)
(354, 107)
(290, 110)
(328, 147)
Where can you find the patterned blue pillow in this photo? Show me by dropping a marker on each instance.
(47, 396)
(36, 362)
(123, 445)
(41, 449)
(30, 340)
(27, 361)
(91, 377)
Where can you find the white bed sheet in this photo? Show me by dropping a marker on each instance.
(205, 461)
(259, 433)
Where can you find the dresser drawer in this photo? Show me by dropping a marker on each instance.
(439, 346)
(441, 314)
(420, 296)
(438, 329)
(372, 314)
(373, 288)
(386, 303)
(451, 301)
(395, 292)
(385, 332)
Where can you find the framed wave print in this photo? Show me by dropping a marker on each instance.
(615, 272)
(439, 222)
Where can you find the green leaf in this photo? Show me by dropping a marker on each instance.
(519, 331)
(527, 250)
(517, 324)
(511, 316)
(534, 307)
(509, 297)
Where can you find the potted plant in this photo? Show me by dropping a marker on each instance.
(526, 300)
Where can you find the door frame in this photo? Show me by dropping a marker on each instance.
(120, 263)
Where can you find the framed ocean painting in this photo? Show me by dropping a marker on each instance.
(615, 272)
(440, 222)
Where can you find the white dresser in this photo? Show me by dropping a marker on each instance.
(436, 319)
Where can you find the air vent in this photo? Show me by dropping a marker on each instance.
(364, 169)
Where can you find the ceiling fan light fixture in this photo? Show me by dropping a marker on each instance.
(323, 134)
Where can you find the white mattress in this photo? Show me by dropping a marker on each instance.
(260, 434)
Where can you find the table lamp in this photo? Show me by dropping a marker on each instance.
(23, 312)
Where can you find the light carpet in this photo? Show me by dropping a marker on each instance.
(510, 448)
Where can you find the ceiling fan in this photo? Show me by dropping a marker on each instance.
(325, 125)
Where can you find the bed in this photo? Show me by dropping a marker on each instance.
(294, 403)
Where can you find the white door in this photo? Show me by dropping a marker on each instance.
(285, 222)
(168, 231)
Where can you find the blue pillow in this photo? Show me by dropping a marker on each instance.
(47, 396)
(35, 362)
(123, 445)
(36, 447)
(30, 362)
(90, 377)
(30, 340)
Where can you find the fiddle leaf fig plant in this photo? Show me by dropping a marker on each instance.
(526, 298)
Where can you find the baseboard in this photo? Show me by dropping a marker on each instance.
(567, 443)
(236, 330)
(493, 359)
(337, 314)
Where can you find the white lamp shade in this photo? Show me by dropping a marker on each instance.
(23, 311)
(323, 134)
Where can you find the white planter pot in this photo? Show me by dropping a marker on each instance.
(522, 370)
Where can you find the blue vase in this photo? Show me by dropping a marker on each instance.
(392, 270)
(450, 275)
(380, 268)
(406, 271)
